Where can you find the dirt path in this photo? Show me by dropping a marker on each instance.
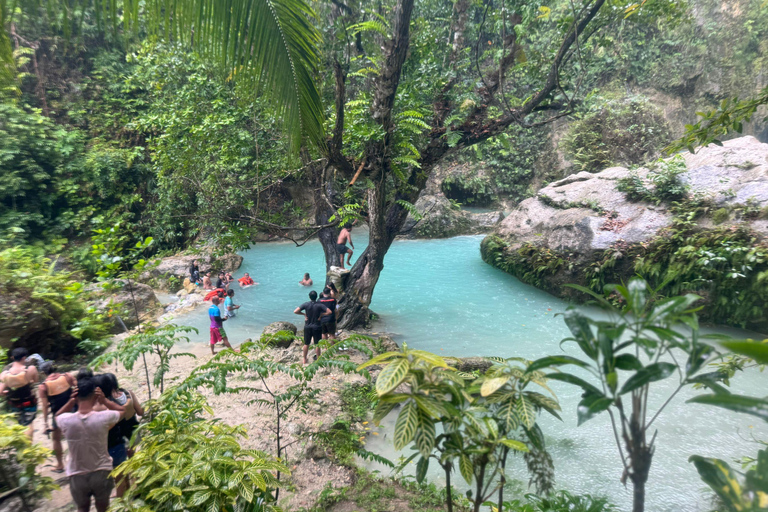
(309, 473)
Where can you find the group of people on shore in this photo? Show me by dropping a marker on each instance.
(90, 411)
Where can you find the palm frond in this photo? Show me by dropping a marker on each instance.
(271, 42)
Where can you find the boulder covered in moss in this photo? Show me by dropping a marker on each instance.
(693, 223)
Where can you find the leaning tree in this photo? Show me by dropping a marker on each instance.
(410, 88)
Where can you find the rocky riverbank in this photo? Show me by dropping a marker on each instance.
(708, 209)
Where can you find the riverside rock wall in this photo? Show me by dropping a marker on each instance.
(575, 225)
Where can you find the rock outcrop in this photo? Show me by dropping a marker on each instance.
(440, 218)
(178, 266)
(119, 304)
(551, 239)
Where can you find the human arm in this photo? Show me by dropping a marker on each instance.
(109, 404)
(42, 393)
(300, 311)
(136, 404)
(32, 375)
(349, 239)
(67, 407)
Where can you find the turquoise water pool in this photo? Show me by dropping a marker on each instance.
(438, 295)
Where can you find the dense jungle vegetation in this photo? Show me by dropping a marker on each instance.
(136, 131)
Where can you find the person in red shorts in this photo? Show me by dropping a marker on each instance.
(217, 329)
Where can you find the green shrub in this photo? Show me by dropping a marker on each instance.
(661, 184)
(187, 460)
(626, 132)
(19, 460)
(721, 215)
(562, 501)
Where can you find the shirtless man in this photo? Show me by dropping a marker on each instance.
(207, 284)
(306, 281)
(341, 247)
(16, 384)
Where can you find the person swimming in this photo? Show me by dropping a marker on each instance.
(345, 236)
(246, 280)
(307, 281)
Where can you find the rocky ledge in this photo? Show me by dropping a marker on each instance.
(438, 217)
(573, 227)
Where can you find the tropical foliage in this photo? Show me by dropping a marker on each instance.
(187, 460)
(464, 422)
(625, 355)
(156, 341)
(20, 461)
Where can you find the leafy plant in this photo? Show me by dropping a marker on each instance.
(561, 501)
(251, 360)
(662, 183)
(158, 341)
(638, 341)
(482, 420)
(187, 460)
(19, 460)
(751, 491)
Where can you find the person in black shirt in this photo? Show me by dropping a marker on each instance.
(222, 282)
(312, 312)
(194, 272)
(328, 323)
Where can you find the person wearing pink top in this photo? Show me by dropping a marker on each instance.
(86, 433)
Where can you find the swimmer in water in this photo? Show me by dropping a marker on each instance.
(306, 281)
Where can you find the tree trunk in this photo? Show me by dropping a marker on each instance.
(323, 211)
(638, 498)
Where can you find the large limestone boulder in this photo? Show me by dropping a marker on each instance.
(440, 218)
(275, 327)
(585, 213)
(118, 303)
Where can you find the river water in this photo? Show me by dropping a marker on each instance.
(439, 296)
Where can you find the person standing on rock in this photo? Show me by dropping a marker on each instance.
(328, 323)
(341, 247)
(313, 311)
(86, 432)
(16, 385)
(54, 393)
(217, 329)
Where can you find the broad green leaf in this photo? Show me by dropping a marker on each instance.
(744, 404)
(465, 467)
(515, 445)
(379, 359)
(718, 476)
(425, 435)
(405, 426)
(572, 379)
(526, 411)
(429, 357)
(391, 376)
(592, 405)
(700, 354)
(421, 469)
(628, 362)
(490, 386)
(651, 373)
(548, 362)
(430, 406)
(508, 414)
(753, 349)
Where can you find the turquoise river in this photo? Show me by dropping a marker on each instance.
(438, 295)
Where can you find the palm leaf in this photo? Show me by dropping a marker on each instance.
(272, 43)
